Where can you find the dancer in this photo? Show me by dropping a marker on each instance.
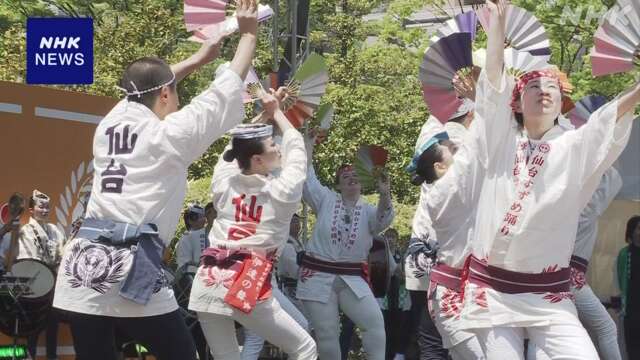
(111, 275)
(332, 276)
(538, 179)
(254, 207)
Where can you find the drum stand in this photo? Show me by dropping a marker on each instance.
(17, 322)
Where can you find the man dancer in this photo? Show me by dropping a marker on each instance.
(42, 241)
(332, 276)
(110, 274)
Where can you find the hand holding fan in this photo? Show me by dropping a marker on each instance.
(441, 63)
(370, 163)
(523, 31)
(325, 117)
(617, 40)
(584, 108)
(305, 90)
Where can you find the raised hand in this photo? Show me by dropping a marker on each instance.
(247, 15)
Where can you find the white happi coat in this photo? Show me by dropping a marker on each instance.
(287, 262)
(268, 204)
(416, 276)
(43, 243)
(531, 198)
(333, 240)
(190, 247)
(140, 177)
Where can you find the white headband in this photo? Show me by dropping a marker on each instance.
(138, 93)
(40, 197)
(251, 131)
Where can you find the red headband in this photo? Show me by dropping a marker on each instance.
(532, 75)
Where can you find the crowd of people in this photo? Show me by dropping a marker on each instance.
(510, 196)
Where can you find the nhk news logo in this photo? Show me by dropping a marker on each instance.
(59, 51)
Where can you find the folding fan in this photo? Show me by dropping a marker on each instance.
(306, 89)
(463, 22)
(369, 164)
(324, 117)
(523, 31)
(252, 85)
(441, 62)
(228, 24)
(584, 108)
(518, 63)
(617, 40)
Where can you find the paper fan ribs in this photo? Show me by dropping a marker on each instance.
(617, 40)
(441, 62)
(306, 89)
(523, 31)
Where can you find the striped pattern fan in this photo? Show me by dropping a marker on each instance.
(584, 108)
(369, 164)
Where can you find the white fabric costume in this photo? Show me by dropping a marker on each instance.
(190, 247)
(451, 204)
(287, 267)
(254, 213)
(323, 294)
(529, 206)
(591, 312)
(40, 242)
(140, 177)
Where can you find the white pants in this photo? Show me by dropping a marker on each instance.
(268, 320)
(597, 321)
(364, 312)
(253, 343)
(559, 341)
(469, 349)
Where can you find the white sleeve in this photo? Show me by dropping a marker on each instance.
(189, 132)
(493, 118)
(601, 141)
(314, 192)
(381, 219)
(455, 195)
(287, 187)
(610, 185)
(183, 250)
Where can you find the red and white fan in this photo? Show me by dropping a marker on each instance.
(206, 18)
(369, 164)
(617, 40)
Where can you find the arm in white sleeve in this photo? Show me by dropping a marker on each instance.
(189, 132)
(287, 187)
(314, 192)
(383, 215)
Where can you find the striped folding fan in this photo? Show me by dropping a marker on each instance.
(617, 40)
(369, 164)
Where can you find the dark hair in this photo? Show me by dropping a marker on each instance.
(146, 73)
(631, 226)
(208, 207)
(188, 217)
(243, 149)
(425, 172)
(340, 170)
(32, 202)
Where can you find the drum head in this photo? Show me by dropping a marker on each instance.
(40, 278)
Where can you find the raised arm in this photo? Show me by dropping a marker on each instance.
(495, 41)
(209, 51)
(629, 100)
(313, 192)
(246, 13)
(384, 212)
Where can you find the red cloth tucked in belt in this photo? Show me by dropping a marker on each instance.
(447, 276)
(338, 268)
(253, 280)
(579, 263)
(511, 282)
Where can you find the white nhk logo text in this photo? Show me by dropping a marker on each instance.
(54, 58)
